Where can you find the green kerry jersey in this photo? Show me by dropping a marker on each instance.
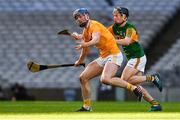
(134, 49)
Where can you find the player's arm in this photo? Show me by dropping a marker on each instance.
(95, 39)
(128, 38)
(84, 53)
(125, 41)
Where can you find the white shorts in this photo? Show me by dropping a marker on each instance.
(138, 63)
(117, 59)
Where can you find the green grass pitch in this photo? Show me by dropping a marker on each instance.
(50, 110)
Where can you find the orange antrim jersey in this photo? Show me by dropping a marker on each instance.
(107, 44)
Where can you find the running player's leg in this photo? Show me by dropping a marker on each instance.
(109, 72)
(92, 70)
(127, 74)
(139, 65)
(155, 105)
(154, 78)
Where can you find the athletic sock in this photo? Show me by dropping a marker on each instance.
(154, 103)
(130, 87)
(87, 103)
(149, 78)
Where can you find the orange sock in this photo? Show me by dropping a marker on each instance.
(87, 103)
(130, 87)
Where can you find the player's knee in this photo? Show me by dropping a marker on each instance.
(82, 78)
(132, 79)
(105, 80)
(124, 78)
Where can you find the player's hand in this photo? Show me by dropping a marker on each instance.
(78, 47)
(77, 63)
(76, 36)
(81, 45)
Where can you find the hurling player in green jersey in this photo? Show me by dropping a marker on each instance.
(127, 36)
